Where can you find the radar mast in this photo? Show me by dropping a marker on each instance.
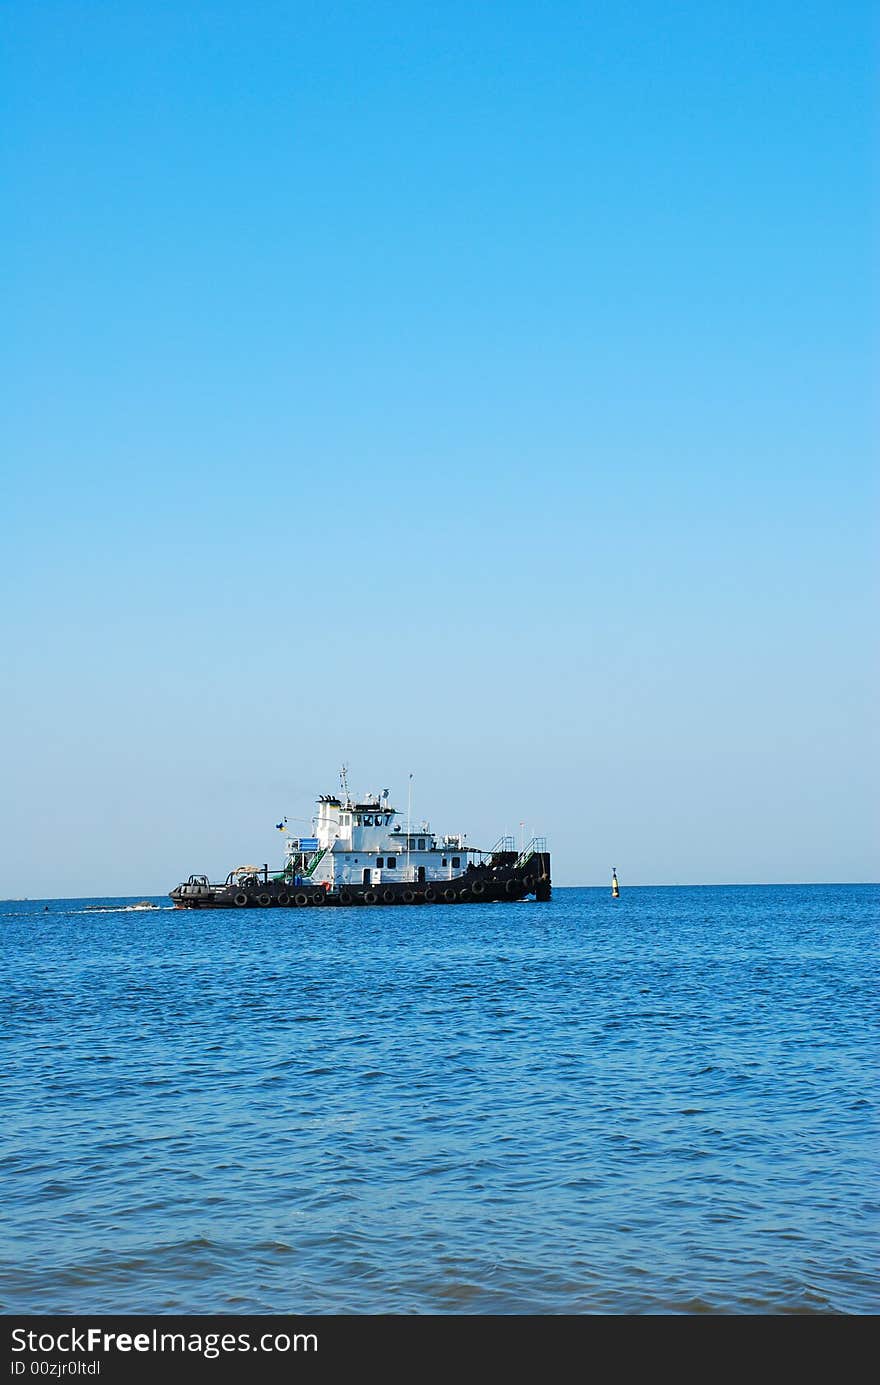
(343, 779)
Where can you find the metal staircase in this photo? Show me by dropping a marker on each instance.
(535, 846)
(309, 870)
(503, 847)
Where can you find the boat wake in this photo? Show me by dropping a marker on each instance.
(123, 908)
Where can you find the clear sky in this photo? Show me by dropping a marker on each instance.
(482, 391)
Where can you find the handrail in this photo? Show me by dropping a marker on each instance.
(538, 845)
(502, 846)
(314, 861)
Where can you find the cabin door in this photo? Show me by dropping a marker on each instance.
(421, 875)
(366, 875)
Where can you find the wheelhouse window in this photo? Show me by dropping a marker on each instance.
(379, 862)
(368, 819)
(444, 862)
(421, 843)
(456, 862)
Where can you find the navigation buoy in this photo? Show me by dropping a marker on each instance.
(615, 888)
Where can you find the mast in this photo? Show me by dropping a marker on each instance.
(343, 779)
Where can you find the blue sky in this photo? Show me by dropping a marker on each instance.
(482, 391)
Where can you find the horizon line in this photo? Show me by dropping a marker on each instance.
(643, 885)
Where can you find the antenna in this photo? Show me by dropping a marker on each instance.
(343, 778)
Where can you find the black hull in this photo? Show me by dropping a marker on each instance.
(478, 885)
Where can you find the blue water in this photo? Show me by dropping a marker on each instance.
(664, 1104)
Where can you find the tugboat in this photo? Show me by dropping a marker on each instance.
(362, 854)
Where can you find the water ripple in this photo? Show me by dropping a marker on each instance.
(667, 1105)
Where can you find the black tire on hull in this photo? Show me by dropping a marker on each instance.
(241, 899)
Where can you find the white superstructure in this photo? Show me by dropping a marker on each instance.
(364, 842)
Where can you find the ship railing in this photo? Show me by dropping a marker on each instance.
(503, 847)
(536, 846)
(309, 870)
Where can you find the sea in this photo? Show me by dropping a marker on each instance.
(660, 1104)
